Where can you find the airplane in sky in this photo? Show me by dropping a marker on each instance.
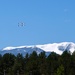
(21, 24)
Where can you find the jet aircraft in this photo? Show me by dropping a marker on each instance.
(21, 24)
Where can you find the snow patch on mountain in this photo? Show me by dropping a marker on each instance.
(10, 48)
(58, 48)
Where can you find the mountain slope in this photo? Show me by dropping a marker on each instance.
(54, 47)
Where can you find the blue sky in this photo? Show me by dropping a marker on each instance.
(46, 21)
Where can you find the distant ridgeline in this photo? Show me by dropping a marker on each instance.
(58, 48)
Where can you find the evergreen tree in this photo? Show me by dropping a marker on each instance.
(42, 63)
(32, 64)
(66, 61)
(73, 64)
(7, 62)
(52, 63)
(60, 70)
(18, 65)
(1, 69)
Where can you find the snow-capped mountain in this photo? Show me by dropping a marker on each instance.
(54, 47)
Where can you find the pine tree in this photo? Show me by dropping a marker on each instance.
(52, 63)
(42, 63)
(60, 70)
(32, 64)
(66, 61)
(18, 65)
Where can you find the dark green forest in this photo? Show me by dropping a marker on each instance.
(41, 64)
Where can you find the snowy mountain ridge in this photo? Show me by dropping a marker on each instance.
(58, 48)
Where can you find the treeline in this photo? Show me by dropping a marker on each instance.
(41, 64)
